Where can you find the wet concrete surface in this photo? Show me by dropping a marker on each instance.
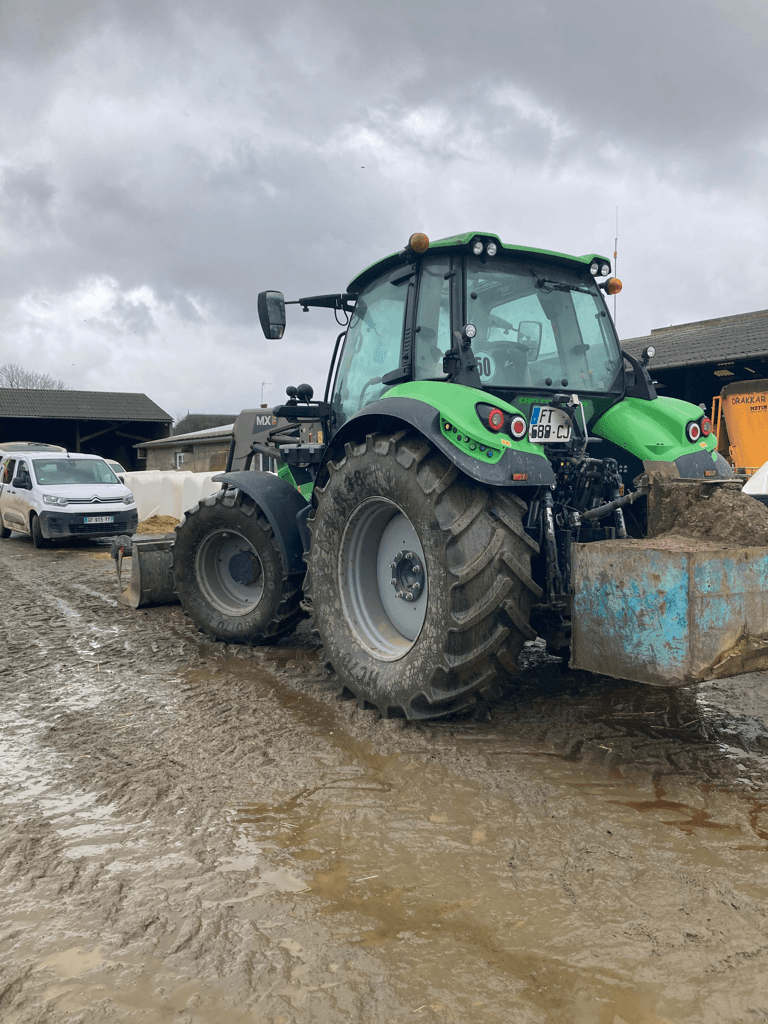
(198, 833)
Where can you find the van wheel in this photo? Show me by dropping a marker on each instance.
(4, 531)
(37, 534)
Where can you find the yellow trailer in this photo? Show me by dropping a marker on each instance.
(740, 420)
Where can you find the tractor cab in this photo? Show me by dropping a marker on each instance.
(468, 309)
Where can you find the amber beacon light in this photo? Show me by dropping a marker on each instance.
(612, 286)
(418, 242)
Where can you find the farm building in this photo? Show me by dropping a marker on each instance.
(102, 423)
(695, 361)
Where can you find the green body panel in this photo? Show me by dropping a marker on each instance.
(456, 405)
(463, 240)
(654, 430)
(305, 490)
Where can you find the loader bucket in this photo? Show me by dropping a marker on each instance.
(672, 609)
(151, 571)
(669, 611)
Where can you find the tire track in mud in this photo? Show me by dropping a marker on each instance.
(121, 736)
(204, 832)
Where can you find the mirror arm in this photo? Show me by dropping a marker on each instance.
(343, 302)
(459, 362)
(643, 386)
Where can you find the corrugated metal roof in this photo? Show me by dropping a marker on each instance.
(31, 403)
(744, 336)
(209, 434)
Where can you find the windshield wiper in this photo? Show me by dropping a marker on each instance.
(544, 284)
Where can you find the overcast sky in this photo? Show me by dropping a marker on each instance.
(162, 161)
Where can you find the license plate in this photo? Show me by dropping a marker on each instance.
(549, 425)
(99, 519)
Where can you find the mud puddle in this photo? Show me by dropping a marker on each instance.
(201, 833)
(485, 911)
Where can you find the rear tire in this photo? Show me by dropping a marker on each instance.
(4, 531)
(37, 534)
(229, 574)
(396, 509)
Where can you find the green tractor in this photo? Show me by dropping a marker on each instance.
(480, 417)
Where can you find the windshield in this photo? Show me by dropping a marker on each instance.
(73, 471)
(539, 327)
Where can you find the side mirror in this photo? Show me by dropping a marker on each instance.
(529, 336)
(271, 306)
(22, 482)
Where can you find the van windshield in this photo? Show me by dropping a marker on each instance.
(53, 472)
(540, 327)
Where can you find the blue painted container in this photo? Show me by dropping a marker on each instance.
(669, 611)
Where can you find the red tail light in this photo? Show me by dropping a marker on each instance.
(495, 420)
(518, 427)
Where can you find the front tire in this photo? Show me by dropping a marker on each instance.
(229, 573)
(419, 579)
(37, 534)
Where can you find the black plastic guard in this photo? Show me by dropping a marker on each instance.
(281, 504)
(384, 414)
(696, 465)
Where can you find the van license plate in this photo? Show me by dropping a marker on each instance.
(99, 519)
(549, 425)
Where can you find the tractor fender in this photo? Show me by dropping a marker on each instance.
(654, 432)
(392, 414)
(281, 504)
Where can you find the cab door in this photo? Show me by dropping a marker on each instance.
(373, 346)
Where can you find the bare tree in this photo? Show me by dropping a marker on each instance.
(12, 375)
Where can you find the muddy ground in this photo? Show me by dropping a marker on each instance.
(198, 833)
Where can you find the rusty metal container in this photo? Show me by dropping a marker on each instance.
(669, 611)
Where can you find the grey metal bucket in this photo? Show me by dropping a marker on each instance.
(151, 570)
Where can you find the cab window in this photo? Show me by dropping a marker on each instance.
(7, 475)
(540, 326)
(372, 346)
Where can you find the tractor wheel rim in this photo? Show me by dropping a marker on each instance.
(230, 572)
(383, 579)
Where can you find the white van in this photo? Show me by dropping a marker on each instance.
(60, 495)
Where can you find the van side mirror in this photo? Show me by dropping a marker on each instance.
(23, 482)
(271, 307)
(529, 336)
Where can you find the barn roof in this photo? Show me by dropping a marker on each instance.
(33, 403)
(209, 434)
(744, 336)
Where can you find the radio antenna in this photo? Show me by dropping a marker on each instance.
(615, 260)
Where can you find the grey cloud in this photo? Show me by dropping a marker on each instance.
(134, 317)
(208, 151)
(25, 197)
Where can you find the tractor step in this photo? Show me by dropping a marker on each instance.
(669, 611)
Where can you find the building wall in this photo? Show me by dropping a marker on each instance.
(198, 457)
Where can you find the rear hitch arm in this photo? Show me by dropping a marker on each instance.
(617, 503)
